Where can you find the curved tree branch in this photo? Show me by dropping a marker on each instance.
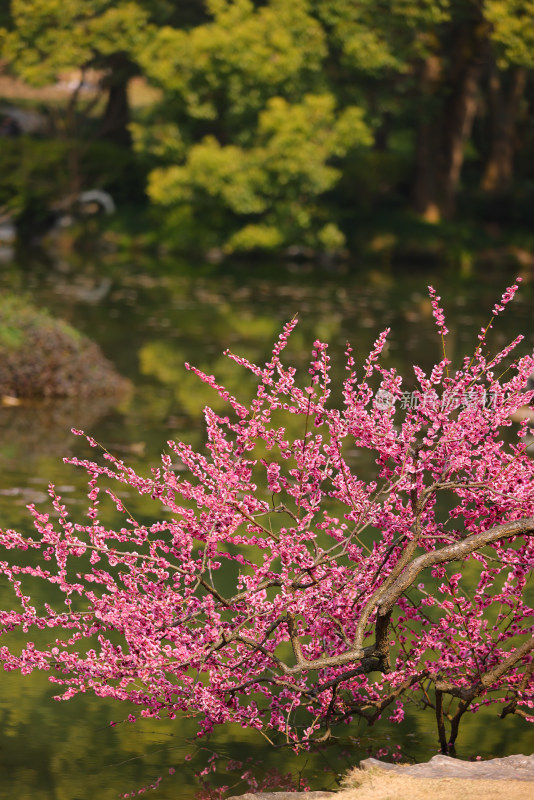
(452, 552)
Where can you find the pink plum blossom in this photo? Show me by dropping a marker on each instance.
(277, 588)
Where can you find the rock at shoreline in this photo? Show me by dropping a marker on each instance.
(284, 796)
(44, 357)
(518, 768)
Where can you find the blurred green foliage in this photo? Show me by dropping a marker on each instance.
(279, 124)
(37, 181)
(62, 36)
(274, 184)
(512, 30)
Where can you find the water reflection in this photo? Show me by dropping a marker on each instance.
(34, 429)
(149, 319)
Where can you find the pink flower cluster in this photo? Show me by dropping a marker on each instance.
(437, 311)
(274, 586)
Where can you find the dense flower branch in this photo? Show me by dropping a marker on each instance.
(277, 587)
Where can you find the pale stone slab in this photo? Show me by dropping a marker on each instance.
(284, 796)
(517, 768)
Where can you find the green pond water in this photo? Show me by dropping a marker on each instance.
(150, 318)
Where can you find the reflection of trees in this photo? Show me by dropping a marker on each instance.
(68, 751)
(196, 319)
(163, 361)
(43, 428)
(210, 317)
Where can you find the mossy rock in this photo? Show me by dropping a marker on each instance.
(45, 357)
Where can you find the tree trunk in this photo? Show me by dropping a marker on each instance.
(458, 122)
(114, 127)
(427, 147)
(116, 119)
(448, 95)
(504, 108)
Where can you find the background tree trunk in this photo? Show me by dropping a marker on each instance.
(505, 93)
(458, 119)
(427, 147)
(448, 87)
(116, 119)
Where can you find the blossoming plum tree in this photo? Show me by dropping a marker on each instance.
(282, 591)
